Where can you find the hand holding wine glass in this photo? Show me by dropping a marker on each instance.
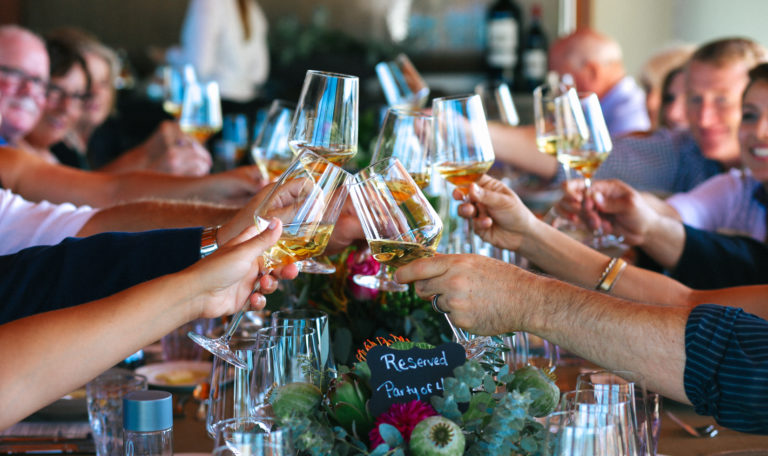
(307, 199)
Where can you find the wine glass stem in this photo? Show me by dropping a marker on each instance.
(241, 313)
(457, 333)
(598, 231)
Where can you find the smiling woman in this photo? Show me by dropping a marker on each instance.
(67, 92)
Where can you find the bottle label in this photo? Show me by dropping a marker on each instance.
(502, 42)
(535, 64)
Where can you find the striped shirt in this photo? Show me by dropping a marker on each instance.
(726, 368)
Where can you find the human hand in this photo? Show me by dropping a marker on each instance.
(499, 216)
(464, 285)
(171, 151)
(221, 282)
(347, 230)
(235, 187)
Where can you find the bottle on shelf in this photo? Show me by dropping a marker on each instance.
(534, 64)
(503, 40)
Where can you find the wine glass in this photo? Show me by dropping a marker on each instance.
(317, 320)
(407, 136)
(251, 436)
(582, 432)
(463, 149)
(307, 198)
(175, 78)
(298, 352)
(270, 150)
(497, 102)
(201, 110)
(235, 131)
(402, 84)
(325, 122)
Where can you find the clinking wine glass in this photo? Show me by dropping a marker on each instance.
(307, 199)
(407, 136)
(463, 149)
(270, 150)
(201, 110)
(497, 102)
(325, 122)
(175, 79)
(402, 84)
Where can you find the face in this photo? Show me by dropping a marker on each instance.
(673, 103)
(23, 80)
(99, 104)
(753, 133)
(713, 108)
(63, 108)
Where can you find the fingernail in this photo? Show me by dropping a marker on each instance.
(272, 224)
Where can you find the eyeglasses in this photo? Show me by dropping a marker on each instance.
(17, 78)
(56, 95)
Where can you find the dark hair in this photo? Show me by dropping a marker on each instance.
(665, 99)
(727, 50)
(758, 73)
(63, 57)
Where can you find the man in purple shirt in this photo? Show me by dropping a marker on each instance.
(595, 62)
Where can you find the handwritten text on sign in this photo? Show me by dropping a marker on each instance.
(399, 376)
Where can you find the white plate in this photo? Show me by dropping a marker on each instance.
(176, 375)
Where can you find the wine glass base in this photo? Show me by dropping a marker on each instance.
(218, 347)
(608, 244)
(376, 283)
(312, 266)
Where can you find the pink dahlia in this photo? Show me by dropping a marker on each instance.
(366, 266)
(404, 417)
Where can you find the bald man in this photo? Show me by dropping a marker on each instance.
(595, 62)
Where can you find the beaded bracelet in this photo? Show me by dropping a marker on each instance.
(611, 274)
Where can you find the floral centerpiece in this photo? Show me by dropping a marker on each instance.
(484, 409)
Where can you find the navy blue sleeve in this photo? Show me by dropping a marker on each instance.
(726, 367)
(711, 260)
(79, 270)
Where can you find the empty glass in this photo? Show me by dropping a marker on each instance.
(251, 437)
(310, 318)
(297, 352)
(105, 408)
(581, 433)
(402, 84)
(497, 102)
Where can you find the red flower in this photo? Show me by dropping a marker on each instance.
(404, 417)
(368, 266)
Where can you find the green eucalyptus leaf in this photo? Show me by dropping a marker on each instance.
(390, 435)
(380, 450)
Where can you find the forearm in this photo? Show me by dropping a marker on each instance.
(750, 298)
(517, 146)
(664, 241)
(48, 355)
(596, 327)
(130, 160)
(150, 215)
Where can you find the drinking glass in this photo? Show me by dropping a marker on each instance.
(270, 150)
(201, 110)
(317, 320)
(580, 433)
(175, 78)
(251, 437)
(497, 102)
(463, 149)
(298, 354)
(541, 354)
(325, 122)
(307, 198)
(105, 408)
(407, 136)
(402, 84)
(544, 121)
(176, 345)
(235, 131)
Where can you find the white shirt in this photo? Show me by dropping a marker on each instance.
(25, 224)
(724, 203)
(212, 40)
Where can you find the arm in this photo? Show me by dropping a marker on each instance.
(517, 146)
(50, 362)
(606, 330)
(36, 180)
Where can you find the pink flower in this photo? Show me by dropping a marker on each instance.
(404, 417)
(368, 266)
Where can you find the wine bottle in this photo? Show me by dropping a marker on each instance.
(503, 40)
(535, 51)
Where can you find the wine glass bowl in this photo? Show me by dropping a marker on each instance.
(201, 110)
(497, 102)
(270, 150)
(402, 84)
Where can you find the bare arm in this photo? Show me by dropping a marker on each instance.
(43, 356)
(37, 180)
(517, 146)
(606, 330)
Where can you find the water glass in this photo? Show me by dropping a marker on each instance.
(105, 408)
(580, 433)
(251, 437)
(177, 346)
(297, 352)
(310, 318)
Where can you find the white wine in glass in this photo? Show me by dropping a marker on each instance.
(201, 110)
(271, 151)
(307, 199)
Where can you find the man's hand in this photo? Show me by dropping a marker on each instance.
(168, 150)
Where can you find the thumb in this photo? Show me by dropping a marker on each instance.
(258, 241)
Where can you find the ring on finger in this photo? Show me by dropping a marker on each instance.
(434, 305)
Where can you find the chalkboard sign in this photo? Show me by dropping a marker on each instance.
(399, 376)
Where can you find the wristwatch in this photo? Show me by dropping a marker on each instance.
(208, 243)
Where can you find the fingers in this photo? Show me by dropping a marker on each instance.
(423, 269)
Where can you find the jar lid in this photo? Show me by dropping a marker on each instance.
(147, 411)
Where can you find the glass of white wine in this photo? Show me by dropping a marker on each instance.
(201, 110)
(175, 78)
(402, 84)
(407, 136)
(270, 150)
(325, 122)
(307, 199)
(463, 149)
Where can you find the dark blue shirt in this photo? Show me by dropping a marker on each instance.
(726, 367)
